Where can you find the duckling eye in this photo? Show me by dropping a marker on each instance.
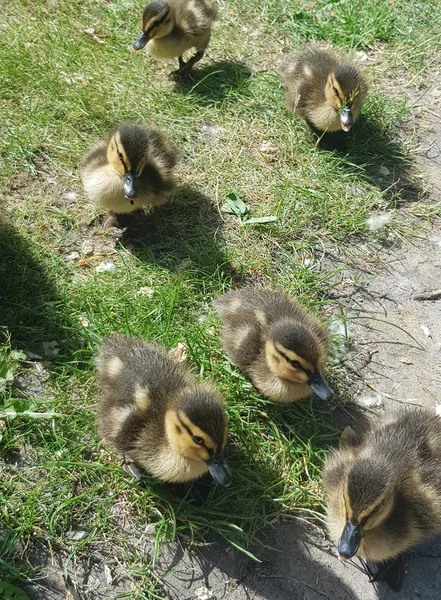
(120, 156)
(335, 92)
(295, 364)
(377, 508)
(197, 439)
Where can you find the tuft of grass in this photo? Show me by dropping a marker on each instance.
(60, 90)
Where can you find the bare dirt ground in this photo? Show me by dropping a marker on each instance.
(395, 355)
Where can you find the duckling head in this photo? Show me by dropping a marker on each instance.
(369, 495)
(157, 21)
(296, 353)
(197, 427)
(127, 155)
(342, 88)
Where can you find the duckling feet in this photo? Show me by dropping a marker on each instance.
(186, 67)
(130, 467)
(110, 220)
(390, 571)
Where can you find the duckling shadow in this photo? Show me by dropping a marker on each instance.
(384, 161)
(28, 297)
(295, 562)
(188, 236)
(217, 82)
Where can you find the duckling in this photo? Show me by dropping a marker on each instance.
(156, 416)
(275, 342)
(171, 28)
(383, 488)
(324, 88)
(130, 169)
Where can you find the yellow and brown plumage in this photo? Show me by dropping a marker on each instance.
(156, 416)
(130, 169)
(275, 342)
(171, 28)
(383, 486)
(325, 88)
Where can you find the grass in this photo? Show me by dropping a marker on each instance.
(61, 90)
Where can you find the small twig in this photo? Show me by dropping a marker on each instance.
(434, 295)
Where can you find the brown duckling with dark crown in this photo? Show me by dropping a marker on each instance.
(171, 28)
(157, 416)
(130, 169)
(275, 342)
(325, 88)
(383, 489)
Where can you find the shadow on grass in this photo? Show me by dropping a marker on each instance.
(187, 236)
(217, 82)
(28, 296)
(384, 161)
(380, 157)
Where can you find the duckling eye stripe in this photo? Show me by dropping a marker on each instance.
(297, 365)
(188, 430)
(157, 23)
(120, 156)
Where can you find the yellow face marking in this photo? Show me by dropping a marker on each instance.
(141, 397)
(114, 366)
(197, 431)
(180, 429)
(280, 366)
(141, 167)
(294, 356)
(117, 156)
(156, 24)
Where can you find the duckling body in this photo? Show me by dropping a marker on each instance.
(156, 416)
(171, 28)
(324, 88)
(384, 489)
(130, 169)
(275, 342)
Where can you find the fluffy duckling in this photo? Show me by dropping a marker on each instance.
(171, 28)
(324, 88)
(130, 169)
(383, 488)
(275, 342)
(156, 416)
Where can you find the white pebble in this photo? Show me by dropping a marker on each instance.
(372, 401)
(378, 221)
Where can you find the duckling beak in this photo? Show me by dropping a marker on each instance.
(346, 118)
(219, 470)
(320, 387)
(140, 42)
(129, 186)
(350, 540)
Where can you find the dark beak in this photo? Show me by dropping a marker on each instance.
(346, 118)
(141, 41)
(320, 387)
(350, 540)
(129, 186)
(219, 470)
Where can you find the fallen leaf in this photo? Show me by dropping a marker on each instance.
(92, 33)
(179, 352)
(405, 360)
(268, 147)
(145, 291)
(260, 220)
(105, 267)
